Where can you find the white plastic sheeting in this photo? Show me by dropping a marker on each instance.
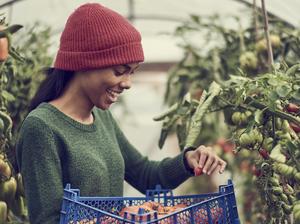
(287, 9)
(152, 17)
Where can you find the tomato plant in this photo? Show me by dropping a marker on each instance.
(17, 79)
(260, 107)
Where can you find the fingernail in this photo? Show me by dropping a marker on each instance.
(204, 171)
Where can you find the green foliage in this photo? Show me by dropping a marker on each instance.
(26, 76)
(222, 52)
(253, 100)
(20, 75)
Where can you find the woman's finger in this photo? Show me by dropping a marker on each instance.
(194, 163)
(223, 164)
(213, 167)
(210, 160)
(217, 170)
(202, 160)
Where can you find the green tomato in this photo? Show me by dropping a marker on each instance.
(283, 135)
(284, 198)
(278, 106)
(248, 60)
(3, 212)
(240, 131)
(277, 190)
(244, 153)
(274, 181)
(283, 169)
(296, 216)
(275, 41)
(261, 46)
(273, 197)
(244, 119)
(236, 118)
(268, 143)
(289, 189)
(246, 140)
(248, 113)
(297, 177)
(296, 211)
(287, 209)
(280, 158)
(291, 198)
(257, 136)
(278, 123)
(286, 136)
(285, 127)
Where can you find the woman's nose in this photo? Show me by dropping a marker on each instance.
(126, 81)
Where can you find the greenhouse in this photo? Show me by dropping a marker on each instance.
(150, 111)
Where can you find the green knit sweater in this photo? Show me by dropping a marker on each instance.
(53, 150)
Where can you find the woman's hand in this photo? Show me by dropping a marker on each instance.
(205, 159)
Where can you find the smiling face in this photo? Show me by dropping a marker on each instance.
(103, 87)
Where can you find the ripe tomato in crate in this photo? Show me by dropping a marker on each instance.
(158, 206)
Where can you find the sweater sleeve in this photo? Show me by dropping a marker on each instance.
(39, 162)
(143, 174)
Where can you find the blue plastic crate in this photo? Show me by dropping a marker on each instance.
(214, 208)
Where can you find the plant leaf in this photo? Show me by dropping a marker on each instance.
(283, 90)
(8, 96)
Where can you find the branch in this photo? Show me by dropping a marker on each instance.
(228, 104)
(170, 111)
(250, 101)
(255, 20)
(270, 52)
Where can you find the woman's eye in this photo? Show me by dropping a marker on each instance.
(118, 73)
(123, 72)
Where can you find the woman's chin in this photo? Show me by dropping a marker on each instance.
(104, 105)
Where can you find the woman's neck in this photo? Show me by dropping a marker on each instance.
(75, 106)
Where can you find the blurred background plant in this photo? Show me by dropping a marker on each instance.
(20, 75)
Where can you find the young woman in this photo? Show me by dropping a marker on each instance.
(71, 137)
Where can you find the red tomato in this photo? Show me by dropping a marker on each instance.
(3, 47)
(292, 108)
(221, 142)
(256, 171)
(196, 94)
(295, 127)
(264, 153)
(226, 145)
(245, 166)
(197, 171)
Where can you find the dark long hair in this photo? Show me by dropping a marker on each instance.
(51, 87)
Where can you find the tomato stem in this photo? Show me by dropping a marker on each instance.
(267, 34)
(278, 113)
(273, 131)
(168, 112)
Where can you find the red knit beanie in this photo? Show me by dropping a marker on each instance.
(96, 37)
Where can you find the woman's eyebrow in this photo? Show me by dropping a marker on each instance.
(130, 68)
